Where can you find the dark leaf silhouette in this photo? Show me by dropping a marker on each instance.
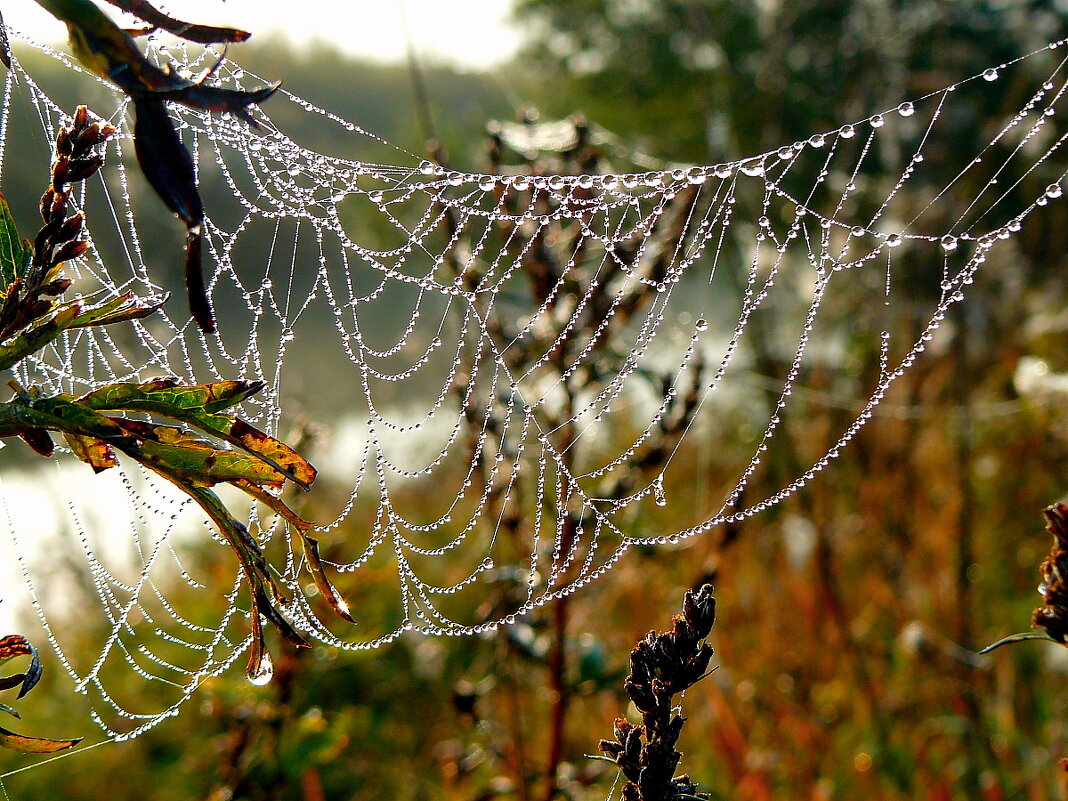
(11, 647)
(205, 34)
(110, 52)
(5, 46)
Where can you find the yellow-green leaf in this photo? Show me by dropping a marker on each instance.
(15, 252)
(94, 452)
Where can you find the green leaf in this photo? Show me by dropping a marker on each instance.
(15, 252)
(67, 414)
(117, 310)
(33, 745)
(199, 406)
(178, 452)
(21, 346)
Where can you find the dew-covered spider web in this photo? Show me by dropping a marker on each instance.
(521, 370)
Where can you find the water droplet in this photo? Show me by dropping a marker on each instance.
(877, 121)
(847, 132)
(1015, 225)
(521, 182)
(786, 153)
(585, 181)
(1054, 190)
(426, 167)
(894, 240)
(723, 171)
(949, 242)
(486, 183)
(754, 167)
(375, 197)
(990, 74)
(817, 141)
(658, 493)
(857, 231)
(262, 673)
(695, 175)
(906, 109)
(702, 324)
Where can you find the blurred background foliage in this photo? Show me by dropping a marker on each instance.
(849, 614)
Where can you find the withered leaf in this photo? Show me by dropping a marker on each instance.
(33, 745)
(204, 34)
(94, 452)
(39, 440)
(15, 645)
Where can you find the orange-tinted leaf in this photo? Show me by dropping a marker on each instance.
(94, 452)
(33, 745)
(326, 589)
(278, 452)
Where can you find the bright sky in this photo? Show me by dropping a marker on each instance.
(472, 33)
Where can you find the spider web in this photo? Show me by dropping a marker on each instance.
(523, 368)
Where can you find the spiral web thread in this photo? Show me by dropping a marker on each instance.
(489, 464)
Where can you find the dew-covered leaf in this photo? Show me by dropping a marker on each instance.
(94, 452)
(199, 406)
(119, 309)
(326, 589)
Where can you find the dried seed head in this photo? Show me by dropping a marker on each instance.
(1053, 617)
(69, 250)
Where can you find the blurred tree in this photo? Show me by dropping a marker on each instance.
(710, 80)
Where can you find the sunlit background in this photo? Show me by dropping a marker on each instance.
(467, 33)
